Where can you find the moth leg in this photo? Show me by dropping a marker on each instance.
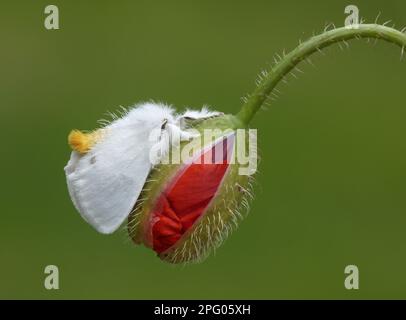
(183, 135)
(82, 142)
(187, 136)
(195, 117)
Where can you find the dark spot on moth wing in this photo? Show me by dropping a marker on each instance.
(93, 160)
(164, 122)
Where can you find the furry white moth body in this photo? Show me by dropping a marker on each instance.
(105, 182)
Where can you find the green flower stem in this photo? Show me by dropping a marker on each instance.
(304, 50)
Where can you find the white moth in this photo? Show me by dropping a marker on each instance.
(105, 182)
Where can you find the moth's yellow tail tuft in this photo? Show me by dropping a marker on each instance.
(83, 142)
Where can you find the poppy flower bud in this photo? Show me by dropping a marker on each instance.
(187, 210)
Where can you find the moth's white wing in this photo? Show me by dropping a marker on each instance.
(105, 183)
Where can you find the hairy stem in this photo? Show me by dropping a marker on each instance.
(304, 50)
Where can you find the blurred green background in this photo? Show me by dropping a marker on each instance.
(331, 187)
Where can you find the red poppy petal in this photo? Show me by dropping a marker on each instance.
(185, 200)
